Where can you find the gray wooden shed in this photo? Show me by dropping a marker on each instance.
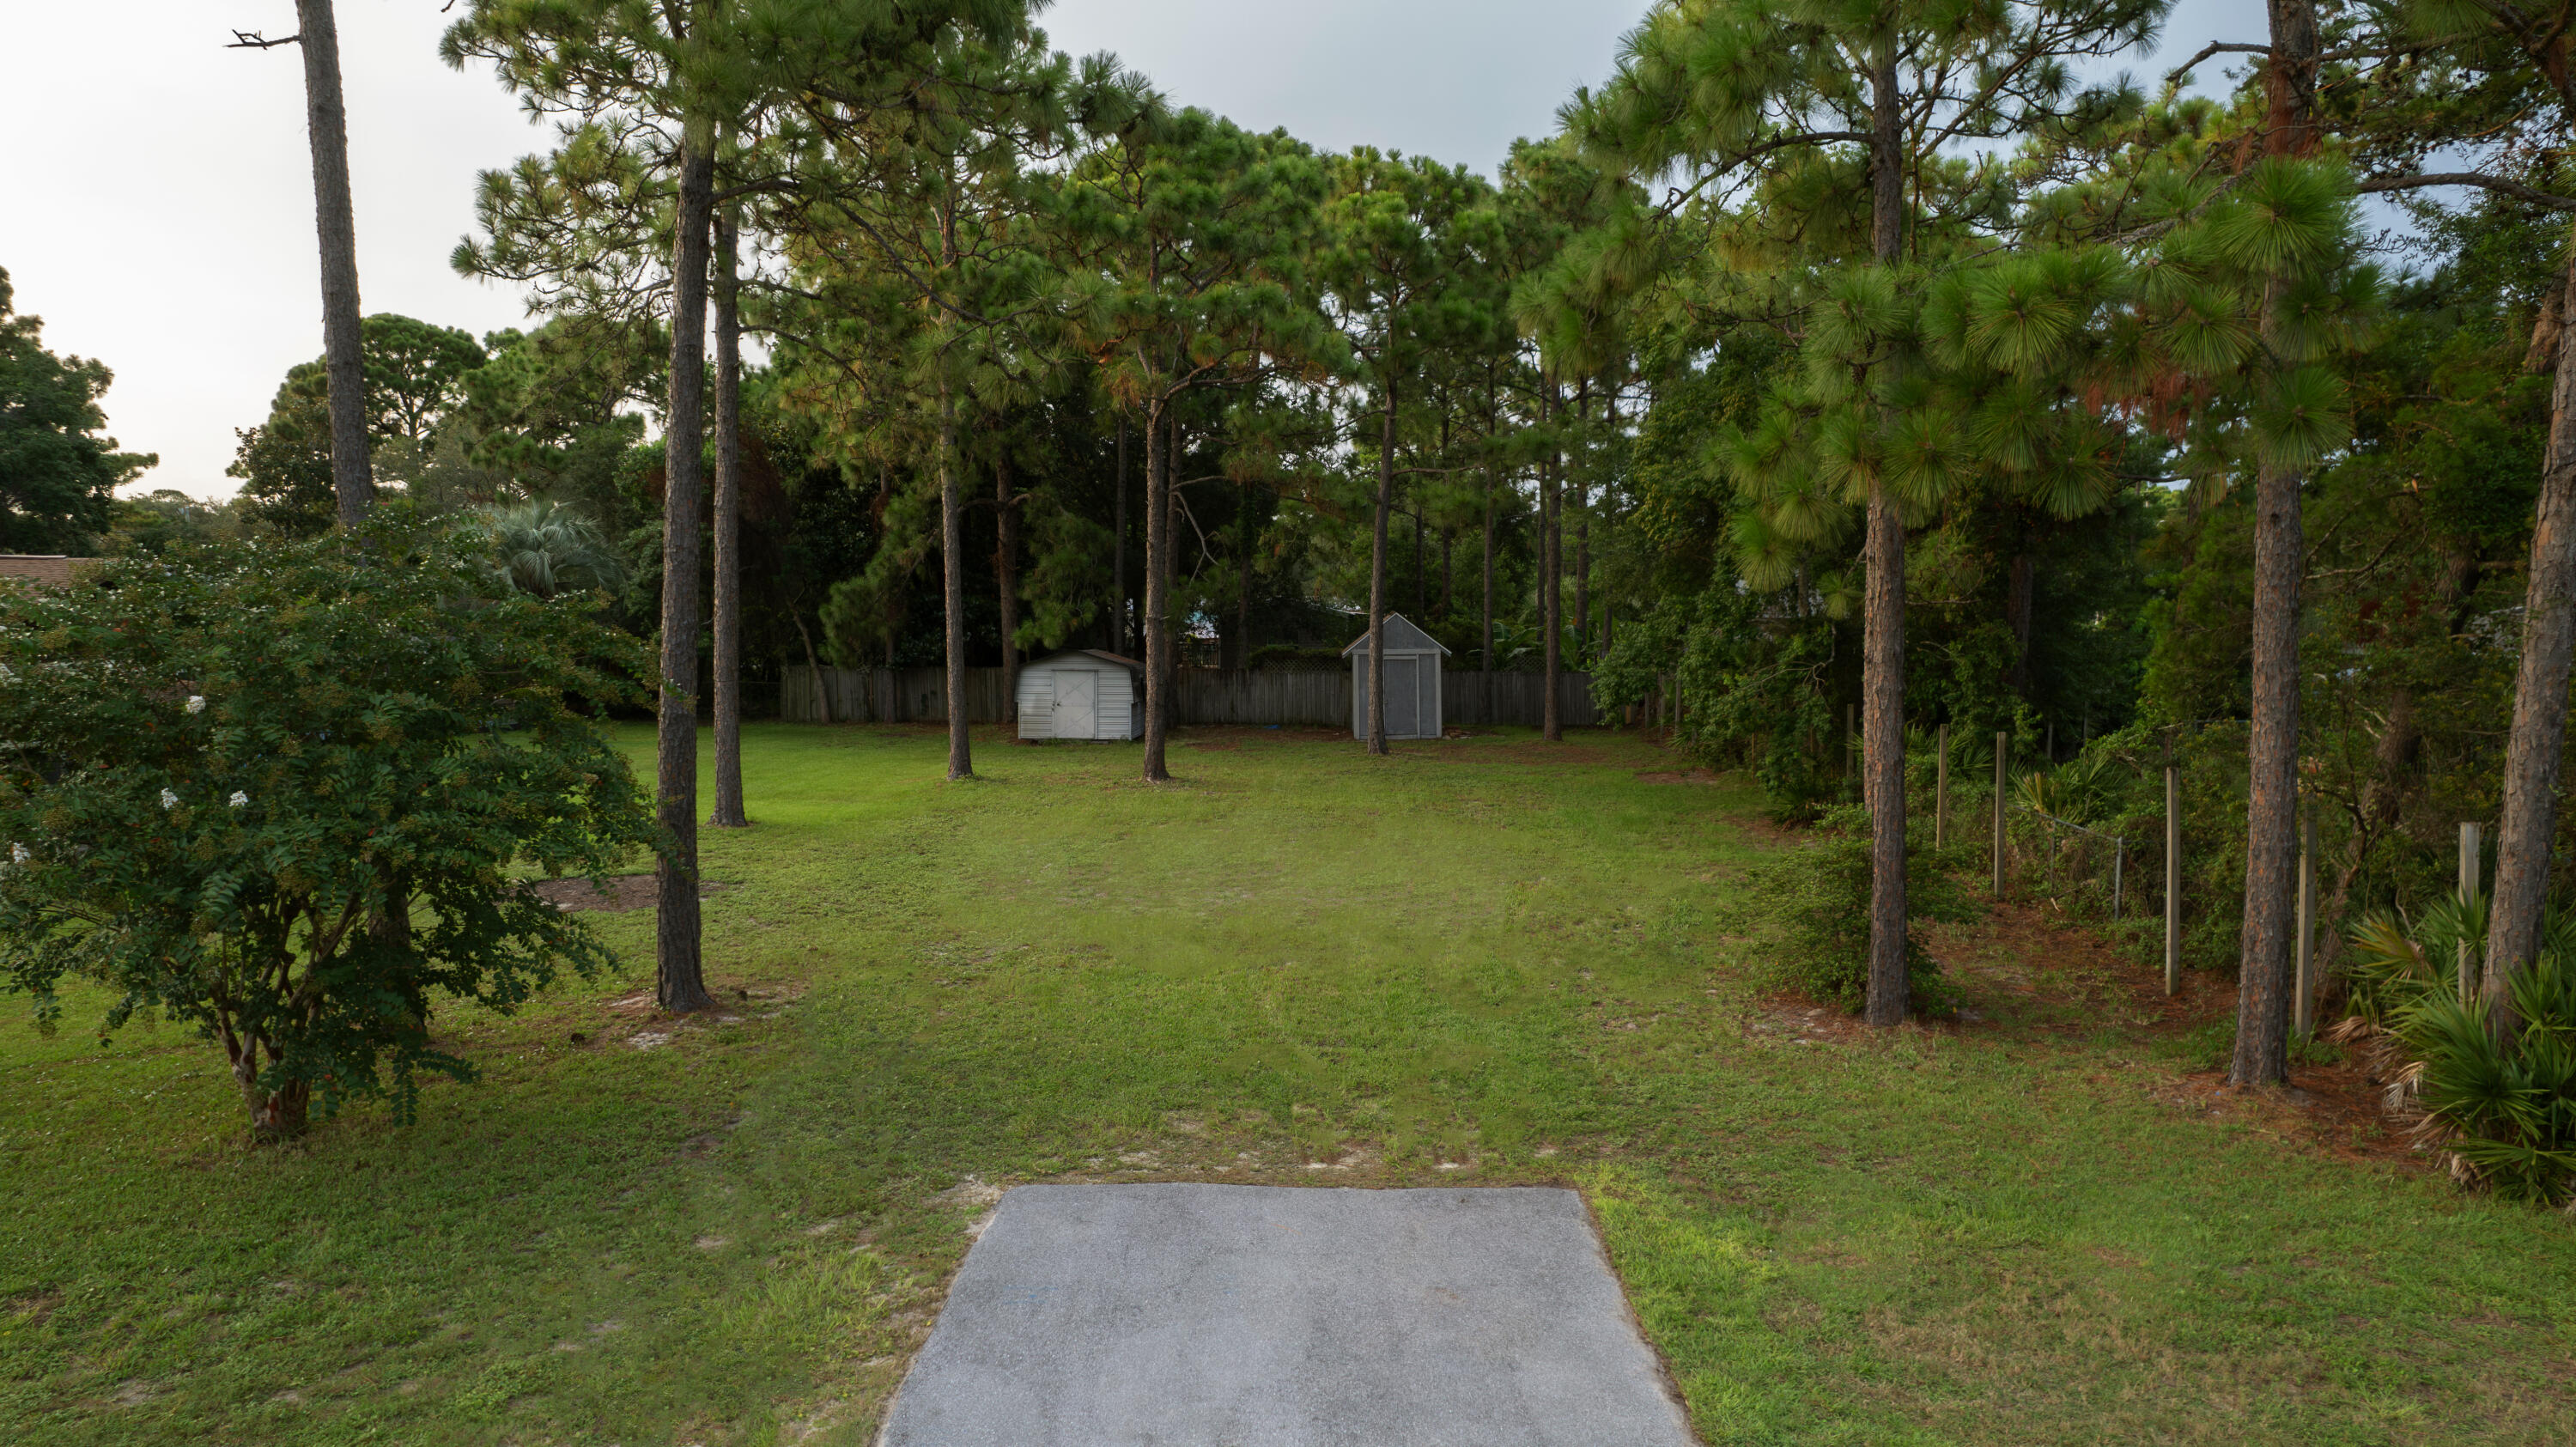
(1083, 693)
(1412, 681)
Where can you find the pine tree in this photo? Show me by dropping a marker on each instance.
(1401, 242)
(1194, 232)
(1837, 124)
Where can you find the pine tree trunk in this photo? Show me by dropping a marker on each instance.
(1488, 634)
(2539, 739)
(728, 526)
(2272, 752)
(1448, 572)
(1883, 626)
(680, 982)
(1421, 570)
(1243, 585)
(1120, 639)
(353, 476)
(1006, 563)
(1158, 638)
(2017, 618)
(952, 565)
(2271, 814)
(1883, 768)
(813, 665)
(1377, 577)
(1551, 583)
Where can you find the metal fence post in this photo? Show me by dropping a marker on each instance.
(2468, 891)
(1941, 789)
(2173, 879)
(2000, 739)
(2304, 1003)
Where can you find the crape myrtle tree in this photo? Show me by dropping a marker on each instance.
(58, 477)
(1185, 244)
(279, 791)
(1847, 123)
(1404, 243)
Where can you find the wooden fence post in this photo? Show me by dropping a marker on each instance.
(2000, 739)
(2173, 879)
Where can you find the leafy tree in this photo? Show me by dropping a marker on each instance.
(415, 374)
(57, 475)
(277, 792)
(416, 380)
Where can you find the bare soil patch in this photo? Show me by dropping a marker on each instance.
(1675, 776)
(624, 892)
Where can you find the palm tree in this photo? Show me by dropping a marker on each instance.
(546, 548)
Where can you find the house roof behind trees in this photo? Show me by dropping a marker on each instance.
(45, 570)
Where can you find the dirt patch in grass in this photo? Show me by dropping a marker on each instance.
(1676, 776)
(2028, 966)
(624, 892)
(2335, 1107)
(2027, 954)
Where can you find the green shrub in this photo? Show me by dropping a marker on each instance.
(2500, 1104)
(1815, 898)
(279, 791)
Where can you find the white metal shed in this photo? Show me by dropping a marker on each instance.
(1082, 693)
(1412, 681)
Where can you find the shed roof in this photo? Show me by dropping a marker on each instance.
(49, 570)
(1401, 637)
(1101, 654)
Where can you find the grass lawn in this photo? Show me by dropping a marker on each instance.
(1482, 960)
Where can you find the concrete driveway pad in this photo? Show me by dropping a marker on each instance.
(1260, 1316)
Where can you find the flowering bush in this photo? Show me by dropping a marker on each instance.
(279, 791)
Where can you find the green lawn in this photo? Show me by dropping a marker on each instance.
(1480, 960)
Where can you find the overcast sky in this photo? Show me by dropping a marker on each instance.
(156, 204)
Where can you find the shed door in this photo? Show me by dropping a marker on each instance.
(1403, 696)
(1077, 703)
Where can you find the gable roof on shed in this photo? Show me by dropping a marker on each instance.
(1102, 654)
(1401, 637)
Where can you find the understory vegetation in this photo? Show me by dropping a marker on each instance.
(1299, 966)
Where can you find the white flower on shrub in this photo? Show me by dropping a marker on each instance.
(196, 703)
(169, 800)
(238, 799)
(20, 854)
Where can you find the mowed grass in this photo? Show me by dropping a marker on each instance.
(1484, 960)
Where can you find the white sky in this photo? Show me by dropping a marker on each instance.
(156, 201)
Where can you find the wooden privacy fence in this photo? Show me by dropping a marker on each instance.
(1204, 696)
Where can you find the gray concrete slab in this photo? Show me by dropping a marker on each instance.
(1259, 1316)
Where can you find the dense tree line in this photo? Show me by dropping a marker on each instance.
(1833, 376)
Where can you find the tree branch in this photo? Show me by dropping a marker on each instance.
(2515, 189)
(251, 40)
